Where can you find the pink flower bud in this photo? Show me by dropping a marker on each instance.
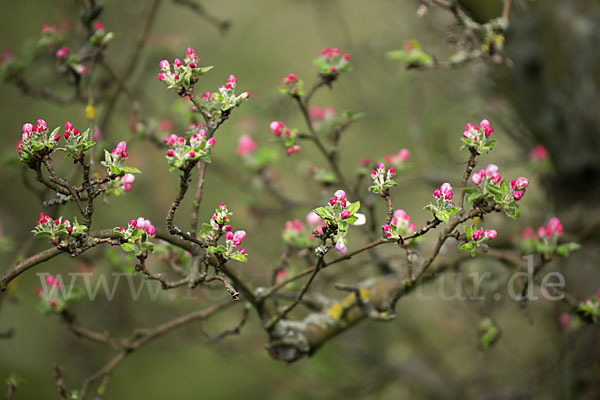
(446, 188)
(346, 57)
(345, 214)
(564, 320)
(229, 236)
(133, 223)
(227, 228)
(39, 292)
(538, 153)
(242, 251)
(170, 153)
(340, 195)
(548, 230)
(476, 178)
(190, 51)
(161, 77)
(381, 166)
(67, 135)
(340, 247)
(62, 52)
(404, 154)
(49, 280)
(333, 69)
(27, 129)
(236, 242)
(177, 62)
(164, 64)
(41, 124)
(332, 201)
(313, 219)
(437, 193)
(239, 235)
(211, 142)
(491, 233)
(449, 195)
(373, 173)
(487, 129)
(387, 228)
(191, 154)
(527, 233)
(52, 303)
(245, 145)
(412, 227)
(232, 80)
(151, 230)
(290, 150)
(517, 195)
(128, 178)
(69, 229)
(392, 171)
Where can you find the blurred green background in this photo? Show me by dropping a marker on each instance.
(431, 349)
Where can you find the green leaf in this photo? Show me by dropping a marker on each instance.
(468, 246)
(353, 208)
(324, 212)
(443, 216)
(130, 170)
(470, 190)
(128, 247)
(239, 257)
(352, 219)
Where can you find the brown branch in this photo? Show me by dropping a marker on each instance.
(60, 383)
(221, 24)
(235, 330)
(143, 336)
(81, 332)
(198, 197)
(132, 62)
(291, 306)
(470, 166)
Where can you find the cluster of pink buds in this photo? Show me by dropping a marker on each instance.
(488, 175)
(399, 226)
(292, 85)
(321, 113)
(245, 146)
(475, 238)
(235, 238)
(382, 179)
(144, 224)
(181, 74)
(72, 131)
(401, 219)
(518, 186)
(538, 153)
(339, 197)
(476, 137)
(127, 180)
(475, 132)
(444, 208)
(181, 151)
(399, 158)
(220, 218)
(286, 135)
(36, 133)
(48, 28)
(49, 37)
(444, 192)
(120, 150)
(57, 229)
(332, 61)
(49, 293)
(545, 240)
(293, 226)
(553, 229)
(487, 234)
